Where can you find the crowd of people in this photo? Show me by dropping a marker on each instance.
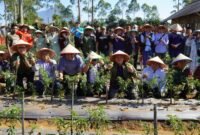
(71, 51)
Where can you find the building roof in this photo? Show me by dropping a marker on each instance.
(194, 7)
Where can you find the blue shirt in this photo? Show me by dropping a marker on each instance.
(161, 42)
(70, 67)
(48, 67)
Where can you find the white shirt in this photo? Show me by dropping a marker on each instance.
(159, 75)
(147, 41)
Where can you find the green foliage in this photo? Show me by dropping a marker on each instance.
(123, 86)
(80, 124)
(62, 125)
(148, 129)
(98, 119)
(9, 79)
(176, 124)
(11, 130)
(45, 79)
(34, 127)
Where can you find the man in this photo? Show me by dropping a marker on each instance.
(12, 37)
(154, 77)
(70, 64)
(89, 41)
(147, 40)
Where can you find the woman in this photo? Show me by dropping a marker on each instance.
(40, 40)
(121, 68)
(63, 38)
(23, 61)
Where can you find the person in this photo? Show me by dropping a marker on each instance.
(161, 41)
(89, 41)
(188, 40)
(102, 43)
(147, 39)
(63, 38)
(12, 37)
(70, 64)
(121, 68)
(175, 41)
(77, 31)
(93, 71)
(132, 45)
(118, 39)
(23, 61)
(197, 70)
(46, 63)
(154, 77)
(181, 73)
(23, 32)
(52, 40)
(195, 46)
(40, 40)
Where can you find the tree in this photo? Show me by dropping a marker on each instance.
(133, 7)
(121, 5)
(179, 4)
(150, 13)
(79, 8)
(103, 8)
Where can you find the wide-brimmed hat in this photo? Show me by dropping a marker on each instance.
(70, 49)
(25, 25)
(92, 55)
(133, 30)
(39, 31)
(53, 27)
(2, 53)
(162, 27)
(50, 51)
(65, 28)
(20, 43)
(31, 27)
(181, 57)
(156, 60)
(197, 31)
(64, 31)
(121, 53)
(89, 28)
(176, 27)
(147, 26)
(119, 28)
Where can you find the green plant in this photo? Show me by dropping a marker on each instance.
(34, 127)
(45, 79)
(80, 124)
(12, 116)
(148, 129)
(123, 86)
(176, 124)
(123, 131)
(10, 80)
(98, 119)
(62, 125)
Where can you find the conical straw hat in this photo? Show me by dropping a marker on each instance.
(94, 55)
(181, 57)
(20, 43)
(176, 27)
(121, 53)
(2, 52)
(156, 60)
(70, 49)
(51, 52)
(89, 28)
(119, 28)
(147, 26)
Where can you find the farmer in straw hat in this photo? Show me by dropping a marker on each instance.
(23, 61)
(147, 40)
(118, 39)
(161, 41)
(63, 38)
(71, 63)
(181, 72)
(46, 63)
(40, 40)
(92, 73)
(175, 41)
(89, 41)
(154, 77)
(121, 68)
